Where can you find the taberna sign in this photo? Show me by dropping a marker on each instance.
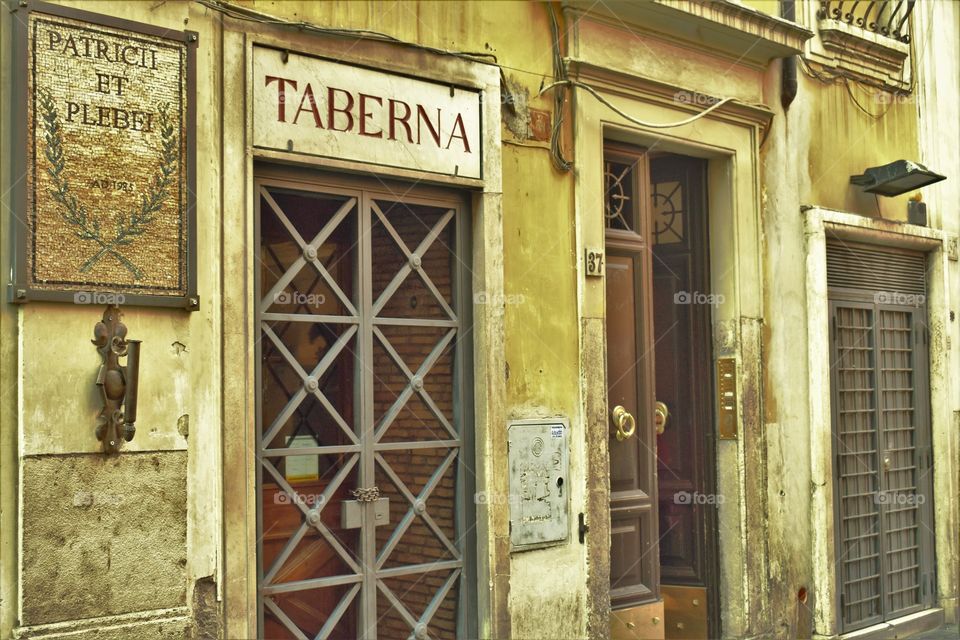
(324, 108)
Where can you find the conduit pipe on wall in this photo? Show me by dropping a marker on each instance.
(788, 70)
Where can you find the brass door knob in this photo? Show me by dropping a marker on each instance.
(660, 416)
(626, 424)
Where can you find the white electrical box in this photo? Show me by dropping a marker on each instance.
(539, 487)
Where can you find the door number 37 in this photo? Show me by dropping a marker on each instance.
(594, 260)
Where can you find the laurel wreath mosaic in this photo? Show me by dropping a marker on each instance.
(107, 193)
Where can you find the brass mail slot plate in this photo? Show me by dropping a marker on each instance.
(351, 514)
(727, 398)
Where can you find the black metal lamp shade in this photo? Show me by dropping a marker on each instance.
(895, 178)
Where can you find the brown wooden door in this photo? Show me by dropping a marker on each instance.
(682, 303)
(632, 570)
(634, 578)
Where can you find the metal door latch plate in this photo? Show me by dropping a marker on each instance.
(351, 513)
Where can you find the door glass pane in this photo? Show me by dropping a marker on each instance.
(306, 610)
(620, 198)
(307, 376)
(413, 247)
(413, 383)
(296, 546)
(308, 245)
(414, 593)
(668, 212)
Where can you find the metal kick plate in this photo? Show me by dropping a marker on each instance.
(642, 622)
(351, 513)
(684, 612)
(539, 490)
(727, 398)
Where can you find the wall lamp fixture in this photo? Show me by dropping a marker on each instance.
(896, 178)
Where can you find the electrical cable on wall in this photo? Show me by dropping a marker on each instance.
(559, 71)
(845, 78)
(628, 117)
(243, 13)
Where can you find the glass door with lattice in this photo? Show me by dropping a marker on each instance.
(361, 430)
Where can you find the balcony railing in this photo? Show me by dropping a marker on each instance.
(888, 18)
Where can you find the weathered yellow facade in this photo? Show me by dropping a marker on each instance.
(160, 540)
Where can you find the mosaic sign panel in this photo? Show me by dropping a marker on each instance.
(108, 203)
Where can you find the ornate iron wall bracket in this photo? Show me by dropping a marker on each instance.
(118, 384)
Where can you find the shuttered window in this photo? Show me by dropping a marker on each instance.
(881, 428)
